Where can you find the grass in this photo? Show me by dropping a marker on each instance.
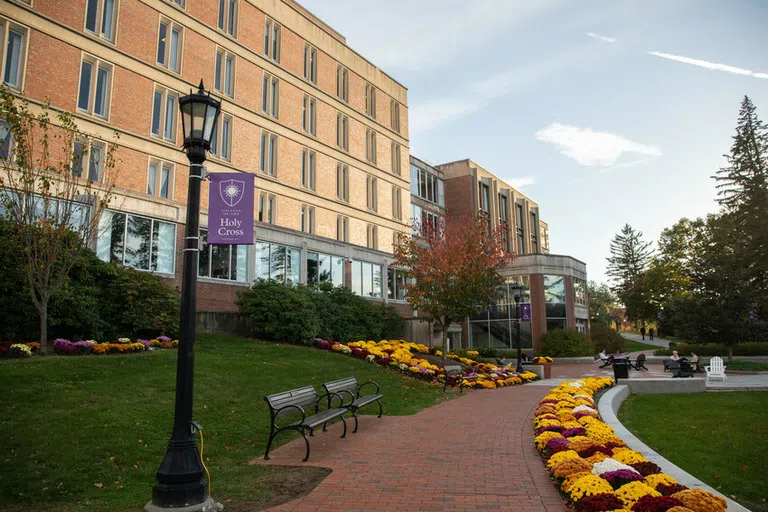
(69, 423)
(746, 366)
(718, 437)
(637, 346)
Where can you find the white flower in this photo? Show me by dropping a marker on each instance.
(582, 407)
(610, 465)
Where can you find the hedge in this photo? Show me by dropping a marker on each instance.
(566, 343)
(754, 348)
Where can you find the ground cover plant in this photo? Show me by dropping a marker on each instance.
(88, 432)
(715, 436)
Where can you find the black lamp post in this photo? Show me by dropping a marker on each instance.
(180, 481)
(516, 292)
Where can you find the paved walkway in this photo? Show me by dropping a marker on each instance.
(658, 342)
(469, 454)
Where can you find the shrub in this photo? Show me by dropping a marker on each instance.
(279, 312)
(345, 316)
(754, 348)
(19, 351)
(566, 343)
(605, 338)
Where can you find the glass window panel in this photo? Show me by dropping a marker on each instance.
(162, 37)
(272, 155)
(170, 117)
(277, 263)
(263, 159)
(267, 32)
(337, 271)
(275, 41)
(293, 268)
(102, 79)
(77, 158)
(554, 288)
(312, 267)
(222, 8)
(157, 106)
(264, 93)
(205, 255)
(94, 164)
(367, 272)
(174, 51)
(163, 246)
(152, 179)
(217, 74)
(13, 59)
(239, 263)
(556, 310)
(324, 268)
(228, 76)
(378, 282)
(138, 242)
(232, 8)
(107, 19)
(391, 283)
(262, 261)
(225, 132)
(84, 98)
(274, 94)
(6, 140)
(479, 334)
(555, 324)
(91, 12)
(165, 181)
(499, 334)
(215, 141)
(220, 259)
(357, 277)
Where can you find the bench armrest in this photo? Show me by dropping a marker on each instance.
(330, 396)
(297, 407)
(343, 392)
(360, 388)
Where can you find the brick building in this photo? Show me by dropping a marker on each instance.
(323, 129)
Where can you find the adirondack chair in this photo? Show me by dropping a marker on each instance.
(715, 369)
(639, 363)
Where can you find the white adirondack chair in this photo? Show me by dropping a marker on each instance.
(715, 369)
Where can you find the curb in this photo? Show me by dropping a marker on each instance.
(608, 406)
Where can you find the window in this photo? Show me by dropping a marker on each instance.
(164, 114)
(13, 53)
(95, 82)
(180, 3)
(342, 131)
(366, 279)
(427, 186)
(88, 159)
(554, 297)
(395, 158)
(309, 115)
(278, 262)
(324, 268)
(520, 229)
(6, 141)
(342, 182)
(228, 16)
(100, 18)
(221, 139)
(534, 230)
(424, 221)
(308, 158)
(342, 83)
(396, 281)
(397, 211)
(370, 100)
(504, 222)
(371, 200)
(342, 228)
(394, 115)
(227, 262)
(496, 326)
(373, 236)
(267, 208)
(310, 63)
(579, 292)
(272, 40)
(485, 198)
(370, 146)
(169, 44)
(307, 219)
(138, 242)
(270, 93)
(581, 326)
(160, 179)
(268, 157)
(224, 78)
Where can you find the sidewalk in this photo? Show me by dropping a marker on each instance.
(469, 454)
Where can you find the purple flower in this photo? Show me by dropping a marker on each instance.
(321, 343)
(163, 338)
(557, 444)
(576, 431)
(550, 428)
(584, 413)
(549, 401)
(65, 347)
(146, 343)
(620, 477)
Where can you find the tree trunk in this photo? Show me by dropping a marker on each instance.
(45, 348)
(730, 354)
(445, 341)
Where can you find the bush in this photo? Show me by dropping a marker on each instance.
(344, 316)
(755, 348)
(605, 338)
(279, 312)
(566, 343)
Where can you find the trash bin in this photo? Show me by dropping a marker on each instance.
(620, 368)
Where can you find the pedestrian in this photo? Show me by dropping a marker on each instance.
(658, 332)
(642, 331)
(650, 333)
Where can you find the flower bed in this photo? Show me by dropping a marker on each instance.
(407, 357)
(595, 469)
(120, 346)
(13, 350)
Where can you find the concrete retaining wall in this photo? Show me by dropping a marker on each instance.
(665, 386)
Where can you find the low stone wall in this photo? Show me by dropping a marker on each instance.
(221, 322)
(665, 386)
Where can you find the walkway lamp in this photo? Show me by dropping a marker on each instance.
(517, 291)
(180, 481)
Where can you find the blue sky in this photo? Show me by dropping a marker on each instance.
(603, 112)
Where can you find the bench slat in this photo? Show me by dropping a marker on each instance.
(349, 384)
(303, 397)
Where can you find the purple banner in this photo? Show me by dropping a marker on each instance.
(230, 208)
(525, 312)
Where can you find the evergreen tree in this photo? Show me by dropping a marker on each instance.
(629, 259)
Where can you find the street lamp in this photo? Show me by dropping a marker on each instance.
(517, 290)
(180, 481)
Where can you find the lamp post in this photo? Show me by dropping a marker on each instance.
(516, 290)
(180, 481)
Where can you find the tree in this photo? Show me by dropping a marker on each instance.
(54, 185)
(629, 259)
(601, 300)
(453, 269)
(743, 194)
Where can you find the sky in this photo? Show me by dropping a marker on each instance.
(602, 112)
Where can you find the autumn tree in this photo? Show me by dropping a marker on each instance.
(54, 183)
(453, 268)
(629, 259)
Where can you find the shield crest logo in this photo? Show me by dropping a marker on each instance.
(231, 191)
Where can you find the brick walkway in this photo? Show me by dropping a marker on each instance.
(472, 453)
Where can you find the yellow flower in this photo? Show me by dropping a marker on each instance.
(561, 456)
(627, 456)
(542, 439)
(630, 493)
(660, 478)
(589, 486)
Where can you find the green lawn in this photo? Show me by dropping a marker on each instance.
(69, 423)
(637, 346)
(746, 366)
(718, 437)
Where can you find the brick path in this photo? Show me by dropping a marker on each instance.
(472, 453)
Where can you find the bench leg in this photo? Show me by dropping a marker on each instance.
(325, 427)
(269, 444)
(381, 410)
(306, 441)
(344, 421)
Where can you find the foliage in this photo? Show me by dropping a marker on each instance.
(566, 343)
(605, 338)
(453, 268)
(601, 300)
(52, 211)
(629, 259)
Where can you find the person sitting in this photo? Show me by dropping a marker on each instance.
(503, 362)
(695, 362)
(675, 356)
(606, 359)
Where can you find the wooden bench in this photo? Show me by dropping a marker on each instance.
(455, 375)
(301, 406)
(350, 392)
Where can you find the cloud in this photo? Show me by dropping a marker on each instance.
(591, 148)
(520, 182)
(604, 39)
(709, 65)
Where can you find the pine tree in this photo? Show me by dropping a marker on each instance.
(629, 259)
(743, 195)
